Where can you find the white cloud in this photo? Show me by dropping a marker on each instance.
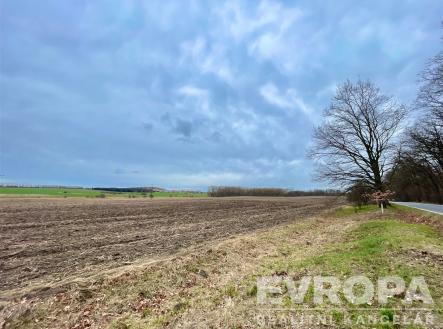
(241, 22)
(276, 41)
(208, 58)
(193, 91)
(273, 96)
(200, 98)
(266, 30)
(285, 100)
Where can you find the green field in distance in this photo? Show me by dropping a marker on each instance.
(85, 192)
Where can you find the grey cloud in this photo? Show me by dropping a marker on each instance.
(183, 127)
(148, 127)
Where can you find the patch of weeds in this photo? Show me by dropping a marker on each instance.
(217, 299)
(278, 265)
(287, 302)
(123, 323)
(387, 314)
(147, 312)
(192, 268)
(286, 250)
(337, 316)
(146, 294)
(160, 321)
(179, 307)
(231, 291)
(252, 292)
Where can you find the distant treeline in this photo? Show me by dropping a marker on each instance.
(318, 192)
(222, 191)
(129, 189)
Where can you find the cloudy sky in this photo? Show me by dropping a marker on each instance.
(191, 93)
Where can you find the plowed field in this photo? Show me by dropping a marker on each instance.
(45, 241)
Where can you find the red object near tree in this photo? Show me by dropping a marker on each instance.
(381, 198)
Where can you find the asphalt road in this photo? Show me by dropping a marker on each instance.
(436, 208)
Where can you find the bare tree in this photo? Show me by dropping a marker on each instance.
(425, 141)
(418, 174)
(430, 96)
(427, 136)
(356, 141)
(422, 159)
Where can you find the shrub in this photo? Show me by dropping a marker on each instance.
(358, 194)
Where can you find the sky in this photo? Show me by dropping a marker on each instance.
(188, 94)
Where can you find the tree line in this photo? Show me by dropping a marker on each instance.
(224, 191)
(147, 189)
(365, 143)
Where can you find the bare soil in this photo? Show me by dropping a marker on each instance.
(45, 241)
